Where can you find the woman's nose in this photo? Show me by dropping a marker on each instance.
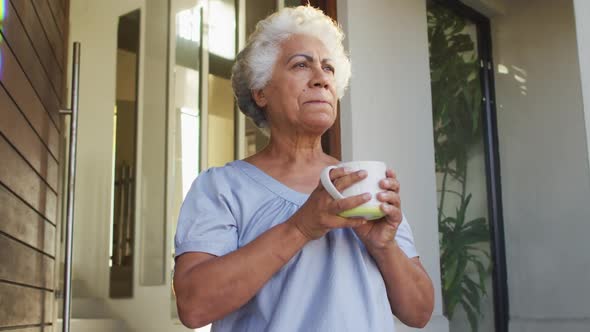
(320, 78)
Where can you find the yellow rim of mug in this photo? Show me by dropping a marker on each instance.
(368, 212)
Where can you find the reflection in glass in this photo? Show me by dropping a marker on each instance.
(188, 24)
(460, 169)
(255, 139)
(189, 134)
(222, 28)
(204, 126)
(125, 145)
(221, 109)
(292, 3)
(184, 115)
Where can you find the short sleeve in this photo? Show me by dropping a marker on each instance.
(405, 238)
(206, 222)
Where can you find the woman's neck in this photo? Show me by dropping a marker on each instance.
(285, 152)
(294, 149)
(296, 162)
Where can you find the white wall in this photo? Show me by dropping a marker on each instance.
(582, 12)
(387, 113)
(152, 144)
(544, 165)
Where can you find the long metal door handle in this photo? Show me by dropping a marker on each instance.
(71, 185)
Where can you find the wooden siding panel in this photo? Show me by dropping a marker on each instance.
(40, 124)
(37, 65)
(46, 96)
(50, 27)
(25, 224)
(17, 131)
(33, 44)
(58, 16)
(21, 264)
(20, 89)
(21, 305)
(17, 175)
(36, 33)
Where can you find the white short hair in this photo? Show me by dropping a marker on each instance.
(254, 64)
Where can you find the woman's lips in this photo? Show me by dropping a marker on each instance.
(317, 102)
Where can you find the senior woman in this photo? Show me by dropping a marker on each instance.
(260, 245)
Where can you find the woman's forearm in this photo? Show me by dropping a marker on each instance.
(409, 289)
(218, 286)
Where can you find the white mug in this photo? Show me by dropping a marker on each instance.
(375, 172)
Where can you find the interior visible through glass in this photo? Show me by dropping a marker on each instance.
(205, 127)
(124, 161)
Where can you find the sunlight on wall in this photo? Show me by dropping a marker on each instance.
(222, 27)
(188, 24)
(520, 75)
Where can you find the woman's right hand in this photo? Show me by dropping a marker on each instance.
(320, 212)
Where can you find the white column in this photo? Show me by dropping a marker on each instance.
(581, 13)
(387, 113)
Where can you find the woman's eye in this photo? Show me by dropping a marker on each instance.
(300, 65)
(329, 68)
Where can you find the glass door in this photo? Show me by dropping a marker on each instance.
(205, 128)
(466, 174)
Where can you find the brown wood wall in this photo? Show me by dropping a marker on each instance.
(33, 58)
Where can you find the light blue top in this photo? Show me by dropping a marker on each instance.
(332, 284)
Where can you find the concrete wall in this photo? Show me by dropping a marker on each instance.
(387, 114)
(544, 164)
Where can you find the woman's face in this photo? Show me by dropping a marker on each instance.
(301, 93)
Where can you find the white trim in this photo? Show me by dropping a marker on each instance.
(240, 118)
(204, 87)
(582, 11)
(138, 224)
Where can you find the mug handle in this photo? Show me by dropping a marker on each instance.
(327, 183)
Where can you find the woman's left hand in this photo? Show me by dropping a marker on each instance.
(380, 234)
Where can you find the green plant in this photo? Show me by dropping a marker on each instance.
(456, 101)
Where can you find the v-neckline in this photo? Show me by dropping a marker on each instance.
(271, 183)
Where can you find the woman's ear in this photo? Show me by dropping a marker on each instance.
(259, 98)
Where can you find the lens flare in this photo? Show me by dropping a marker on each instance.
(2, 10)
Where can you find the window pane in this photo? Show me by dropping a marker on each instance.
(221, 107)
(460, 170)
